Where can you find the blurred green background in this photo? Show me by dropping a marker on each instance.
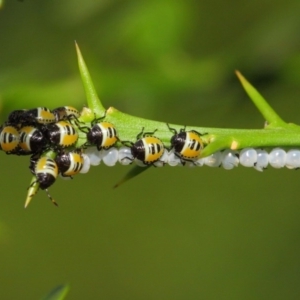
(171, 233)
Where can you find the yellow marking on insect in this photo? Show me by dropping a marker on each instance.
(153, 149)
(9, 138)
(68, 140)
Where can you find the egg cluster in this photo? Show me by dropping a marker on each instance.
(228, 159)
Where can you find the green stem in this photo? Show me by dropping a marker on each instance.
(277, 133)
(214, 138)
(237, 139)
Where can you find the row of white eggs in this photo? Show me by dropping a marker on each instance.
(228, 159)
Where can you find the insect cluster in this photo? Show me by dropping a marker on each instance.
(185, 148)
(49, 137)
(38, 131)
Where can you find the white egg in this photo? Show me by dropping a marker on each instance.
(110, 156)
(277, 158)
(230, 159)
(248, 157)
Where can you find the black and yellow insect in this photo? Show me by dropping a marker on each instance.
(46, 171)
(147, 148)
(32, 140)
(103, 135)
(40, 115)
(69, 163)
(186, 144)
(65, 113)
(61, 134)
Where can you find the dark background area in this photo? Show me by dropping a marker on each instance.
(171, 233)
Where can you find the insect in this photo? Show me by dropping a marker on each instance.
(9, 139)
(61, 134)
(40, 115)
(186, 144)
(65, 113)
(17, 118)
(148, 148)
(32, 140)
(46, 170)
(69, 163)
(101, 134)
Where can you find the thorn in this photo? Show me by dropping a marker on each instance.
(132, 173)
(27, 201)
(119, 183)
